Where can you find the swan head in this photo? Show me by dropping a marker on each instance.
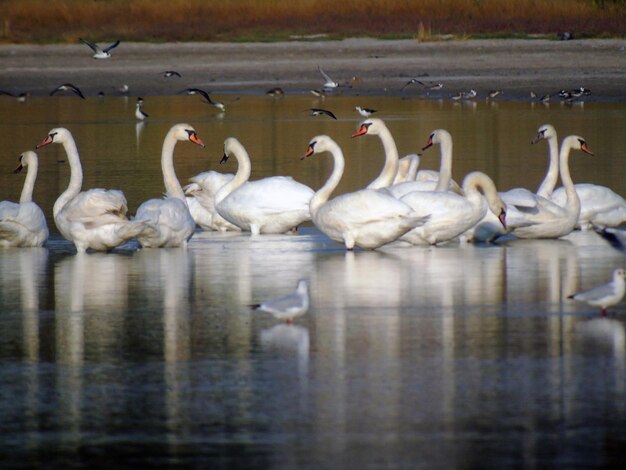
(318, 144)
(185, 132)
(27, 158)
(544, 132)
(58, 135)
(577, 143)
(371, 126)
(437, 136)
(231, 145)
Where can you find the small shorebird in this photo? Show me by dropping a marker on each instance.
(330, 83)
(319, 93)
(278, 91)
(605, 295)
(365, 112)
(67, 87)
(171, 73)
(139, 113)
(320, 111)
(100, 53)
(492, 94)
(289, 307)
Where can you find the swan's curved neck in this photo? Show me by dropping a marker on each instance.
(172, 185)
(244, 168)
(549, 182)
(445, 166)
(572, 202)
(322, 194)
(29, 182)
(390, 169)
(478, 184)
(76, 176)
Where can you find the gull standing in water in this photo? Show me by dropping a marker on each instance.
(289, 307)
(605, 295)
(100, 53)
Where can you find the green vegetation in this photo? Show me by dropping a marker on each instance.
(268, 20)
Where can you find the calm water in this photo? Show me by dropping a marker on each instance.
(446, 357)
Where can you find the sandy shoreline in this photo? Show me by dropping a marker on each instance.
(370, 66)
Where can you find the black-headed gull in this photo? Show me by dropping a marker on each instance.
(330, 83)
(289, 307)
(67, 87)
(320, 111)
(605, 295)
(100, 53)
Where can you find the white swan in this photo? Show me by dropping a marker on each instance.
(169, 219)
(599, 205)
(95, 218)
(368, 218)
(276, 204)
(374, 126)
(407, 168)
(23, 223)
(428, 180)
(200, 196)
(552, 221)
(451, 213)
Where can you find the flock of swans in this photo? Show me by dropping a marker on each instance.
(403, 205)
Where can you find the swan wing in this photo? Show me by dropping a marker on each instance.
(8, 210)
(211, 181)
(274, 194)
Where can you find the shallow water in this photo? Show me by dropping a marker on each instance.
(454, 356)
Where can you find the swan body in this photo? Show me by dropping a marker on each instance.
(23, 224)
(451, 213)
(276, 204)
(95, 218)
(549, 220)
(200, 196)
(368, 218)
(169, 220)
(599, 205)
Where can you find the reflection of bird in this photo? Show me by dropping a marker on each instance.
(23, 223)
(67, 87)
(615, 237)
(100, 53)
(330, 83)
(171, 73)
(320, 111)
(365, 112)
(139, 113)
(289, 307)
(605, 295)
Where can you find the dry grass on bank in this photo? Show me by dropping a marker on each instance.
(236, 20)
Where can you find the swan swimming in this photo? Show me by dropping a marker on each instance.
(95, 218)
(23, 224)
(367, 218)
(276, 204)
(169, 219)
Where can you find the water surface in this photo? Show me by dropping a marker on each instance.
(423, 357)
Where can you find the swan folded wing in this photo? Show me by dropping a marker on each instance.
(97, 203)
(367, 206)
(164, 212)
(275, 194)
(8, 210)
